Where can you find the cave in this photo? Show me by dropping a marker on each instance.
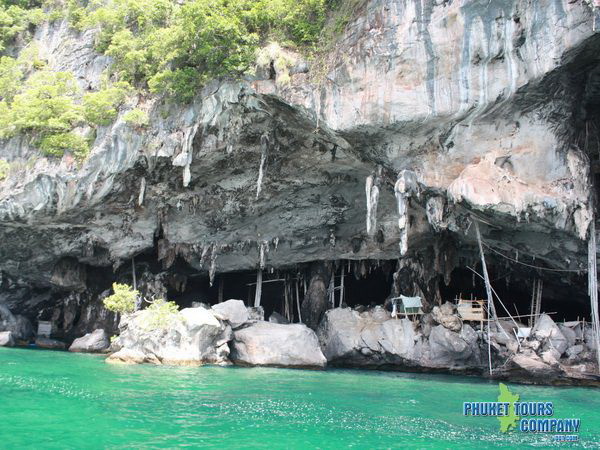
(515, 286)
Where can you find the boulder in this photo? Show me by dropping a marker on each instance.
(233, 311)
(551, 356)
(575, 350)
(549, 333)
(94, 342)
(275, 317)
(51, 344)
(588, 336)
(569, 334)
(532, 364)
(365, 339)
(19, 325)
(273, 344)
(255, 313)
(6, 339)
(194, 336)
(446, 319)
(453, 350)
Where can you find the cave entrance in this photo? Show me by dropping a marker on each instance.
(367, 283)
(562, 296)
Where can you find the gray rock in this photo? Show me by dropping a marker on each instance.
(233, 311)
(574, 350)
(195, 336)
(549, 333)
(94, 342)
(272, 344)
(17, 324)
(533, 364)
(450, 349)
(275, 317)
(448, 320)
(6, 339)
(551, 356)
(364, 339)
(255, 313)
(589, 338)
(51, 344)
(569, 334)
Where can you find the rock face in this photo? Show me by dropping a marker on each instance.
(18, 325)
(430, 116)
(371, 339)
(6, 339)
(94, 342)
(195, 336)
(273, 344)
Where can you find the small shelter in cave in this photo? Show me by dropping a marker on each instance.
(44, 329)
(406, 306)
(471, 310)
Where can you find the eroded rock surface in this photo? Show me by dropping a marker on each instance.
(95, 342)
(195, 336)
(273, 344)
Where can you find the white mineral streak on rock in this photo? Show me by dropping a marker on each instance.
(264, 143)
(142, 191)
(372, 192)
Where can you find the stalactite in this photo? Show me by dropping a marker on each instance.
(258, 292)
(372, 192)
(263, 250)
(404, 188)
(213, 264)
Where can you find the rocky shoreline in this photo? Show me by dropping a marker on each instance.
(436, 342)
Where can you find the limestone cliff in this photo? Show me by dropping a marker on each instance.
(431, 114)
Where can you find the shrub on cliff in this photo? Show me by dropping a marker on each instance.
(123, 300)
(101, 107)
(159, 315)
(4, 168)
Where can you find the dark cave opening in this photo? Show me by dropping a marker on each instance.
(367, 286)
(563, 299)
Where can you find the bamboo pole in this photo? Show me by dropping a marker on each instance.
(133, 273)
(342, 288)
(488, 289)
(258, 293)
(221, 289)
(298, 301)
(286, 309)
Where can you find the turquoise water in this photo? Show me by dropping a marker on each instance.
(62, 400)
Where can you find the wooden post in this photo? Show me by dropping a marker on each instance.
(488, 289)
(133, 272)
(342, 288)
(286, 309)
(221, 289)
(258, 293)
(298, 301)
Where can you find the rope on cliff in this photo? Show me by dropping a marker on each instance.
(528, 265)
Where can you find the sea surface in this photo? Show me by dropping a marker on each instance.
(51, 399)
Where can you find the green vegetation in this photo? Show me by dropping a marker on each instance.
(168, 47)
(16, 17)
(101, 107)
(136, 117)
(123, 300)
(159, 315)
(4, 167)
(173, 48)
